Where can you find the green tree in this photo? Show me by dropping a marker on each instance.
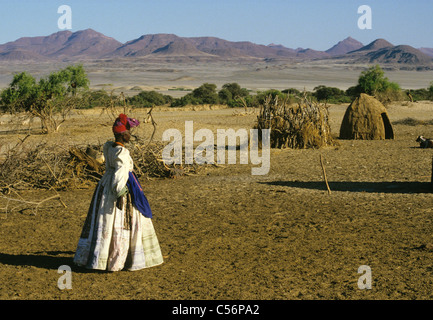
(54, 95)
(263, 95)
(225, 96)
(373, 81)
(22, 91)
(236, 90)
(206, 94)
(64, 82)
(293, 91)
(76, 79)
(330, 94)
(353, 92)
(147, 99)
(232, 94)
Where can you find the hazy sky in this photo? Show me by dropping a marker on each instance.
(316, 24)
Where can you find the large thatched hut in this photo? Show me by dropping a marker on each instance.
(366, 119)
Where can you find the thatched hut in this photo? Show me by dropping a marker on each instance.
(366, 119)
(298, 126)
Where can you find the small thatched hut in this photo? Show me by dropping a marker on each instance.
(298, 126)
(366, 119)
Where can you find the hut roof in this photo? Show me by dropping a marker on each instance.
(366, 119)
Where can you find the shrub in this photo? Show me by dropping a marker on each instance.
(430, 89)
(232, 94)
(93, 99)
(353, 92)
(418, 94)
(185, 100)
(330, 94)
(273, 93)
(225, 96)
(147, 99)
(205, 94)
(293, 91)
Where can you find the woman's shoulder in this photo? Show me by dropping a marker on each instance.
(110, 147)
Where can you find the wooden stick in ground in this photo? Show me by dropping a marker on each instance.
(324, 174)
(431, 183)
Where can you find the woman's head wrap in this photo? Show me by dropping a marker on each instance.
(123, 123)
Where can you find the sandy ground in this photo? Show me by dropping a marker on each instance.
(174, 78)
(226, 234)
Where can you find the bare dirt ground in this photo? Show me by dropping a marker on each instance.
(226, 234)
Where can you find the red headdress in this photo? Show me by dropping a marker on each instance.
(124, 123)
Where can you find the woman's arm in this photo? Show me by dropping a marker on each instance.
(121, 171)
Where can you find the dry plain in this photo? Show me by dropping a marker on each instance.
(226, 234)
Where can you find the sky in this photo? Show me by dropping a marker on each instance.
(315, 24)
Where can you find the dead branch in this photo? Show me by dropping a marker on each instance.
(35, 205)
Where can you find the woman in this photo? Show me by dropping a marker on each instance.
(116, 235)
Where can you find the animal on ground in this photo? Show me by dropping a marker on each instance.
(424, 142)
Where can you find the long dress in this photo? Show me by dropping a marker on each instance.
(114, 239)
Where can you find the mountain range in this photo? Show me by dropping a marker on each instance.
(90, 44)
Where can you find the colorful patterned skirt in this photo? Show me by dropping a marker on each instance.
(116, 239)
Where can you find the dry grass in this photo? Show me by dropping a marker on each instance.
(413, 122)
(304, 125)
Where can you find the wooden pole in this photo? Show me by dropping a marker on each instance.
(431, 183)
(324, 174)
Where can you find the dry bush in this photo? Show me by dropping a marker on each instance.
(56, 167)
(302, 125)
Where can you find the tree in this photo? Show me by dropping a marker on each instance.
(373, 81)
(206, 94)
(225, 96)
(76, 79)
(21, 92)
(274, 93)
(147, 99)
(64, 82)
(232, 94)
(53, 96)
(236, 90)
(330, 94)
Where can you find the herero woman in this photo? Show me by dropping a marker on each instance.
(118, 232)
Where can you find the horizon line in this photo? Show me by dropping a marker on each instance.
(208, 36)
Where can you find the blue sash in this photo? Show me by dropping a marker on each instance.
(138, 198)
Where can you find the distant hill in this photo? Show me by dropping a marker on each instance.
(21, 55)
(38, 45)
(86, 43)
(226, 48)
(90, 44)
(310, 53)
(402, 54)
(427, 51)
(373, 46)
(143, 45)
(180, 47)
(344, 46)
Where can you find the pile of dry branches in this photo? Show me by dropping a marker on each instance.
(302, 125)
(56, 167)
(148, 162)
